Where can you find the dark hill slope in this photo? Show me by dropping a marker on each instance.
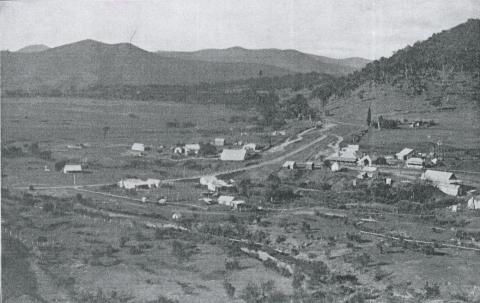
(89, 62)
(288, 59)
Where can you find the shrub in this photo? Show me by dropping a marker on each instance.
(431, 290)
(48, 206)
(229, 288)
(60, 164)
(280, 239)
(232, 265)
(122, 241)
(136, 250)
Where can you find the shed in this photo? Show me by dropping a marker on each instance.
(474, 202)
(219, 141)
(133, 183)
(178, 150)
(404, 154)
(72, 168)
(437, 176)
(233, 155)
(177, 216)
(289, 164)
(417, 163)
(139, 147)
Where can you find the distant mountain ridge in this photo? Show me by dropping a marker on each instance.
(293, 60)
(87, 63)
(33, 48)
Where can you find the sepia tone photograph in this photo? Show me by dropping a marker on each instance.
(294, 151)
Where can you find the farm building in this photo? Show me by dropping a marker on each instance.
(368, 172)
(138, 147)
(289, 164)
(226, 200)
(192, 149)
(233, 155)
(474, 202)
(219, 141)
(309, 165)
(177, 216)
(436, 176)
(72, 168)
(404, 154)
(347, 155)
(417, 163)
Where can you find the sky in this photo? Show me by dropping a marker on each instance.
(334, 28)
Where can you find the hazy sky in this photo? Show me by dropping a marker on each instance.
(336, 28)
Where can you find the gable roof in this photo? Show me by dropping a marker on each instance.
(194, 146)
(233, 155)
(438, 176)
(72, 167)
(404, 152)
(138, 147)
(416, 161)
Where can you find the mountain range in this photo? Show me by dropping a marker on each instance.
(89, 63)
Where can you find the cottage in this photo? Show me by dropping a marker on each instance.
(226, 200)
(404, 154)
(138, 147)
(135, 183)
(474, 202)
(219, 142)
(178, 150)
(417, 163)
(309, 165)
(72, 168)
(192, 149)
(365, 161)
(289, 164)
(177, 216)
(250, 147)
(436, 176)
(335, 167)
(233, 155)
(213, 183)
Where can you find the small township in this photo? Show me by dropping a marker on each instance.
(353, 186)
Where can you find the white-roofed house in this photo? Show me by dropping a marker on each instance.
(233, 155)
(436, 176)
(365, 161)
(250, 147)
(404, 154)
(226, 200)
(72, 168)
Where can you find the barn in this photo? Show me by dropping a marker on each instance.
(138, 147)
(233, 155)
(72, 168)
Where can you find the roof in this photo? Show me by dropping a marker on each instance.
(250, 146)
(342, 159)
(138, 147)
(415, 161)
(438, 176)
(72, 167)
(225, 199)
(194, 146)
(233, 155)
(404, 152)
(288, 164)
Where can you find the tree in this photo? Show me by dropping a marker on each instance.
(229, 288)
(105, 131)
(369, 117)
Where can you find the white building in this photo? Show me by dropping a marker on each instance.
(250, 147)
(219, 142)
(213, 183)
(138, 147)
(192, 148)
(474, 202)
(436, 176)
(72, 168)
(335, 166)
(135, 183)
(417, 163)
(233, 155)
(404, 154)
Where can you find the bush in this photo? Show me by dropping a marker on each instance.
(60, 164)
(280, 239)
(431, 290)
(232, 265)
(48, 206)
(229, 288)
